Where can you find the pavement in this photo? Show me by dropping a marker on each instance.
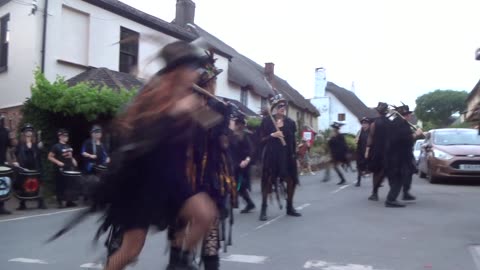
(339, 230)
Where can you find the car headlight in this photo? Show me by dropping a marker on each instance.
(441, 155)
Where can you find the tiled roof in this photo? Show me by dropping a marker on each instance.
(351, 101)
(106, 77)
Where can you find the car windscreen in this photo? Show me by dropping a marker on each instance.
(457, 137)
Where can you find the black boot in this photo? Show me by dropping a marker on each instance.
(342, 182)
(408, 197)
(263, 213)
(22, 206)
(211, 262)
(394, 204)
(291, 210)
(181, 260)
(250, 205)
(373, 197)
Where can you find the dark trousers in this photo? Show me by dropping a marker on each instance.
(377, 180)
(407, 184)
(397, 181)
(337, 170)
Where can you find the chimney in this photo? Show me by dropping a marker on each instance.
(320, 82)
(185, 12)
(269, 72)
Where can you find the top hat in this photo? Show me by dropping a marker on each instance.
(27, 127)
(403, 110)
(277, 100)
(336, 125)
(365, 120)
(180, 53)
(382, 108)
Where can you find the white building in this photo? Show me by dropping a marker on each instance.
(78, 34)
(337, 104)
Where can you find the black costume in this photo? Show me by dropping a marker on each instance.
(377, 147)
(399, 166)
(94, 149)
(279, 162)
(361, 148)
(241, 147)
(338, 153)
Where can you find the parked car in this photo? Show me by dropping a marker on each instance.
(450, 153)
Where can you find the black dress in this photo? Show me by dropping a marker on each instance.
(278, 160)
(338, 148)
(361, 148)
(378, 147)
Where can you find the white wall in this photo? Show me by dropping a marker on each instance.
(323, 106)
(102, 42)
(24, 53)
(352, 124)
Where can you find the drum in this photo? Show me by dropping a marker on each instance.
(6, 174)
(27, 186)
(99, 169)
(73, 184)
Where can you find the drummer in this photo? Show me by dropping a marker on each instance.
(61, 155)
(93, 150)
(4, 145)
(27, 155)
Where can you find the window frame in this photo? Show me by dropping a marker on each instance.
(340, 116)
(4, 44)
(128, 53)
(244, 96)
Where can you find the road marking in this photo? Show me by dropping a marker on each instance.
(301, 207)
(92, 265)
(43, 215)
(339, 189)
(475, 251)
(27, 260)
(315, 264)
(245, 258)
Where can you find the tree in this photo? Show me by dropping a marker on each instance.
(438, 106)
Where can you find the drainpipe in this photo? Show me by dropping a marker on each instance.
(44, 36)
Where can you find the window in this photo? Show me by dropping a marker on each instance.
(263, 103)
(128, 49)
(244, 97)
(4, 40)
(341, 117)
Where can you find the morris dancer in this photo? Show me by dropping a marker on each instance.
(338, 153)
(377, 147)
(241, 146)
(399, 162)
(211, 169)
(279, 161)
(361, 139)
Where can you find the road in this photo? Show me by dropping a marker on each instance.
(339, 230)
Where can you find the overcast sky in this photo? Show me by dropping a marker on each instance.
(392, 50)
